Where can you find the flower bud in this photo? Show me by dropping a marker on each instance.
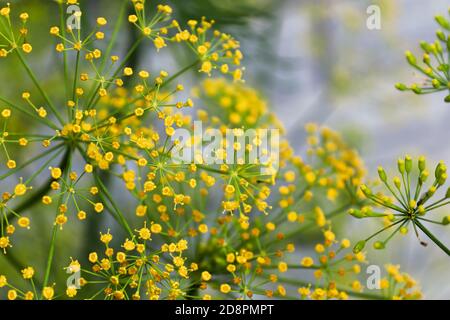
(359, 246)
(442, 179)
(438, 47)
(408, 163)
(442, 22)
(416, 89)
(397, 182)
(447, 194)
(401, 166)
(382, 174)
(436, 84)
(440, 169)
(446, 220)
(356, 213)
(421, 210)
(401, 86)
(422, 163)
(425, 46)
(366, 190)
(423, 176)
(441, 35)
(410, 58)
(378, 245)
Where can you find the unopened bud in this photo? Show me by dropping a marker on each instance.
(382, 174)
(359, 246)
(408, 163)
(378, 245)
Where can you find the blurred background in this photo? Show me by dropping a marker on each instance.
(315, 60)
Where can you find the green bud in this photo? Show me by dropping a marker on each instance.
(431, 191)
(401, 86)
(442, 22)
(397, 182)
(446, 220)
(410, 58)
(440, 169)
(401, 166)
(382, 174)
(447, 99)
(366, 190)
(438, 47)
(442, 179)
(422, 163)
(426, 58)
(378, 245)
(423, 176)
(421, 210)
(441, 35)
(425, 46)
(447, 194)
(408, 163)
(356, 213)
(416, 89)
(359, 246)
(436, 84)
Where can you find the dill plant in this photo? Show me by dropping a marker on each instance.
(193, 231)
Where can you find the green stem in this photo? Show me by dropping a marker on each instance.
(51, 253)
(432, 237)
(39, 87)
(108, 196)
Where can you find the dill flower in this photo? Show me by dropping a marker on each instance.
(435, 64)
(408, 205)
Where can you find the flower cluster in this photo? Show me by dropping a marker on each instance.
(435, 68)
(408, 205)
(104, 143)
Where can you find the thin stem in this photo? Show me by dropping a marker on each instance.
(51, 253)
(432, 237)
(39, 87)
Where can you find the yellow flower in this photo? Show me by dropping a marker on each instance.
(3, 281)
(71, 291)
(28, 273)
(20, 189)
(12, 295)
(23, 222)
(282, 267)
(206, 276)
(27, 48)
(159, 43)
(93, 257)
(156, 228)
(225, 288)
(307, 262)
(101, 21)
(98, 207)
(48, 293)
